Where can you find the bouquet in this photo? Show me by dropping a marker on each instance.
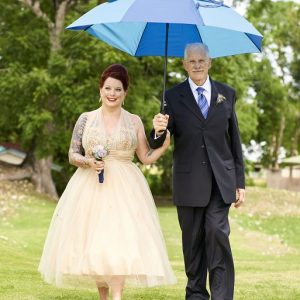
(99, 152)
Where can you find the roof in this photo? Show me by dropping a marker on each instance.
(293, 160)
(11, 156)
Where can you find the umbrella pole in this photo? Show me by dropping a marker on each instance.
(163, 102)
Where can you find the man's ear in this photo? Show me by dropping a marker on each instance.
(184, 64)
(209, 63)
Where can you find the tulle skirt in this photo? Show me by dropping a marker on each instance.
(106, 233)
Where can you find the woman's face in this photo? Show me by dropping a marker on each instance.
(112, 93)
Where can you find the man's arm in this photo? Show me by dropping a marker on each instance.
(236, 148)
(156, 142)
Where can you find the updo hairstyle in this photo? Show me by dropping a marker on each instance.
(116, 71)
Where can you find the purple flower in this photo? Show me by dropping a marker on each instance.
(99, 152)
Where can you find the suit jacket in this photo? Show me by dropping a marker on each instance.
(203, 147)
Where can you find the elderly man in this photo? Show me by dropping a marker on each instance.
(208, 172)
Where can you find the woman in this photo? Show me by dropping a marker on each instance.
(107, 233)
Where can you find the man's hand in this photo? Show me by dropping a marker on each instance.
(240, 197)
(160, 123)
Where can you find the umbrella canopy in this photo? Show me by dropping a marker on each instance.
(138, 27)
(164, 27)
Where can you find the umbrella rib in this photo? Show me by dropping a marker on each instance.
(200, 37)
(141, 37)
(88, 27)
(74, 37)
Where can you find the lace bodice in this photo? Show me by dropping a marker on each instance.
(90, 131)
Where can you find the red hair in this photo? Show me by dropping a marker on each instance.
(116, 71)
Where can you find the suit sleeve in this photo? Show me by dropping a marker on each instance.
(158, 142)
(236, 148)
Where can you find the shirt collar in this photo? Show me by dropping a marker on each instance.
(206, 86)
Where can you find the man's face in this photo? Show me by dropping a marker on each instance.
(197, 65)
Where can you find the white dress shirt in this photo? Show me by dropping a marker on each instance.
(207, 90)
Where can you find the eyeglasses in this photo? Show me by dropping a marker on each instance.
(200, 62)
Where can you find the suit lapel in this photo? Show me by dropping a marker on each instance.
(187, 98)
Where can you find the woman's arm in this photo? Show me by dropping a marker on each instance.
(145, 154)
(76, 156)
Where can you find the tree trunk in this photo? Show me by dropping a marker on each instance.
(277, 142)
(42, 177)
(41, 168)
(36, 170)
(40, 173)
(272, 151)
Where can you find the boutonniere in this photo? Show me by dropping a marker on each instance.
(221, 98)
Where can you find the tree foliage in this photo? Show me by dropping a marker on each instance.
(49, 76)
(44, 91)
(276, 79)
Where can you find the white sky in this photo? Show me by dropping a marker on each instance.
(241, 8)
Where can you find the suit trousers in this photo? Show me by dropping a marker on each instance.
(206, 248)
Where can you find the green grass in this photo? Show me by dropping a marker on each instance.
(265, 243)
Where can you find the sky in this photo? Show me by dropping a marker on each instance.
(242, 8)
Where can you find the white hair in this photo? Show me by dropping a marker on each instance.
(196, 46)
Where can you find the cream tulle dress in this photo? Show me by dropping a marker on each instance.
(107, 232)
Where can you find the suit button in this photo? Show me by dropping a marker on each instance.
(204, 163)
(202, 146)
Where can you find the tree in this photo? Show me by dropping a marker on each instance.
(276, 76)
(37, 122)
(50, 76)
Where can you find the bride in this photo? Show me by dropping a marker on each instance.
(105, 229)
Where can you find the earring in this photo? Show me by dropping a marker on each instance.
(123, 103)
(100, 100)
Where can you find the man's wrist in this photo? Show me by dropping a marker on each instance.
(156, 135)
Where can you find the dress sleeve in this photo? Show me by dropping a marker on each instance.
(76, 151)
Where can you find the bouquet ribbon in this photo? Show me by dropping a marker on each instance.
(101, 176)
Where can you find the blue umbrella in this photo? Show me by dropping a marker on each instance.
(164, 27)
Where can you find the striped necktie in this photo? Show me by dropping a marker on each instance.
(202, 102)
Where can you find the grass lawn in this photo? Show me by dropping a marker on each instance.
(265, 237)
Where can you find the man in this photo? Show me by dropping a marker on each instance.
(208, 172)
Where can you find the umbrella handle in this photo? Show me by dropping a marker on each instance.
(163, 107)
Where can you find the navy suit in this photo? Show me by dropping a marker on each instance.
(207, 169)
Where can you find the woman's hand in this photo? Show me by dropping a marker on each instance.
(97, 165)
(167, 141)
